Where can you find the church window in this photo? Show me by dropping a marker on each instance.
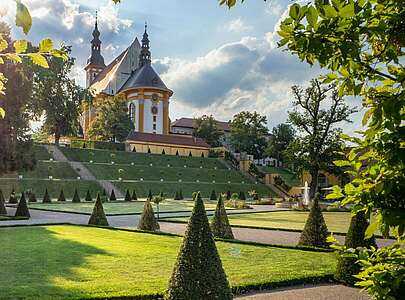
(132, 111)
(154, 126)
(154, 118)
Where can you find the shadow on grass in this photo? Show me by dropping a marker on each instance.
(36, 263)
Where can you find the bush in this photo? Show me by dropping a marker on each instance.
(148, 221)
(13, 198)
(315, 231)
(134, 196)
(213, 195)
(32, 197)
(242, 195)
(98, 216)
(220, 224)
(228, 195)
(177, 195)
(61, 197)
(87, 144)
(112, 196)
(88, 196)
(150, 195)
(76, 198)
(3, 210)
(127, 196)
(347, 266)
(22, 208)
(47, 198)
(255, 195)
(198, 273)
(181, 195)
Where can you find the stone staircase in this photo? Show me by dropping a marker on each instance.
(82, 171)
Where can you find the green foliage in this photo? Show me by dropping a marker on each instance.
(3, 211)
(89, 144)
(254, 194)
(181, 195)
(13, 198)
(22, 208)
(31, 196)
(112, 196)
(228, 195)
(157, 200)
(220, 224)
(150, 195)
(98, 217)
(61, 197)
(177, 196)
(76, 198)
(148, 221)
(213, 195)
(47, 198)
(88, 196)
(282, 136)
(347, 266)
(242, 195)
(134, 197)
(254, 171)
(198, 273)
(112, 120)
(206, 127)
(248, 133)
(315, 230)
(127, 196)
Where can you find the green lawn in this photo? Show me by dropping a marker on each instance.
(121, 207)
(41, 153)
(290, 178)
(71, 262)
(121, 157)
(336, 221)
(56, 169)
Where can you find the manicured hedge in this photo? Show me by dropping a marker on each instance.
(88, 144)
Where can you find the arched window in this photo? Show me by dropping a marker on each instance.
(132, 112)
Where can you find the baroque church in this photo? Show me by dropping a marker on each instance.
(131, 76)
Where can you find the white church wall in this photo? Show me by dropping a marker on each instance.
(148, 117)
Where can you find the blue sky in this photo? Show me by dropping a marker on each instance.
(217, 61)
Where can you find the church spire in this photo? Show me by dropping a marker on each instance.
(96, 58)
(145, 56)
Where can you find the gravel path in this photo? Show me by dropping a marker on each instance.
(310, 292)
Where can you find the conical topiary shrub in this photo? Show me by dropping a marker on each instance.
(32, 197)
(220, 224)
(242, 195)
(181, 195)
(76, 198)
(61, 197)
(347, 267)
(148, 220)
(134, 196)
(47, 198)
(88, 196)
(98, 216)
(22, 208)
(213, 195)
(13, 198)
(315, 231)
(198, 273)
(150, 195)
(3, 210)
(228, 195)
(127, 196)
(112, 196)
(176, 195)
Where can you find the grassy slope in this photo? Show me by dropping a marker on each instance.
(336, 221)
(290, 178)
(76, 262)
(121, 207)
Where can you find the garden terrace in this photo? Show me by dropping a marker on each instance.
(77, 262)
(289, 177)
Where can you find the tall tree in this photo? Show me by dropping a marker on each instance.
(317, 110)
(112, 121)
(206, 127)
(248, 133)
(15, 141)
(57, 97)
(282, 135)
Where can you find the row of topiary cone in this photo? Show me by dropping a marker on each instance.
(22, 207)
(315, 234)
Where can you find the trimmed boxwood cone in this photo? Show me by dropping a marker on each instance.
(198, 273)
(150, 195)
(134, 196)
(220, 224)
(181, 195)
(32, 197)
(61, 197)
(22, 208)
(112, 196)
(176, 195)
(148, 220)
(3, 210)
(88, 196)
(315, 231)
(98, 216)
(47, 198)
(76, 198)
(242, 195)
(228, 195)
(213, 195)
(346, 267)
(127, 196)
(13, 198)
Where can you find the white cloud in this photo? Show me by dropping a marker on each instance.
(238, 26)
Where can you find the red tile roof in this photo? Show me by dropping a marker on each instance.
(167, 139)
(189, 123)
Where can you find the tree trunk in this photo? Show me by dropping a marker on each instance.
(57, 136)
(313, 187)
